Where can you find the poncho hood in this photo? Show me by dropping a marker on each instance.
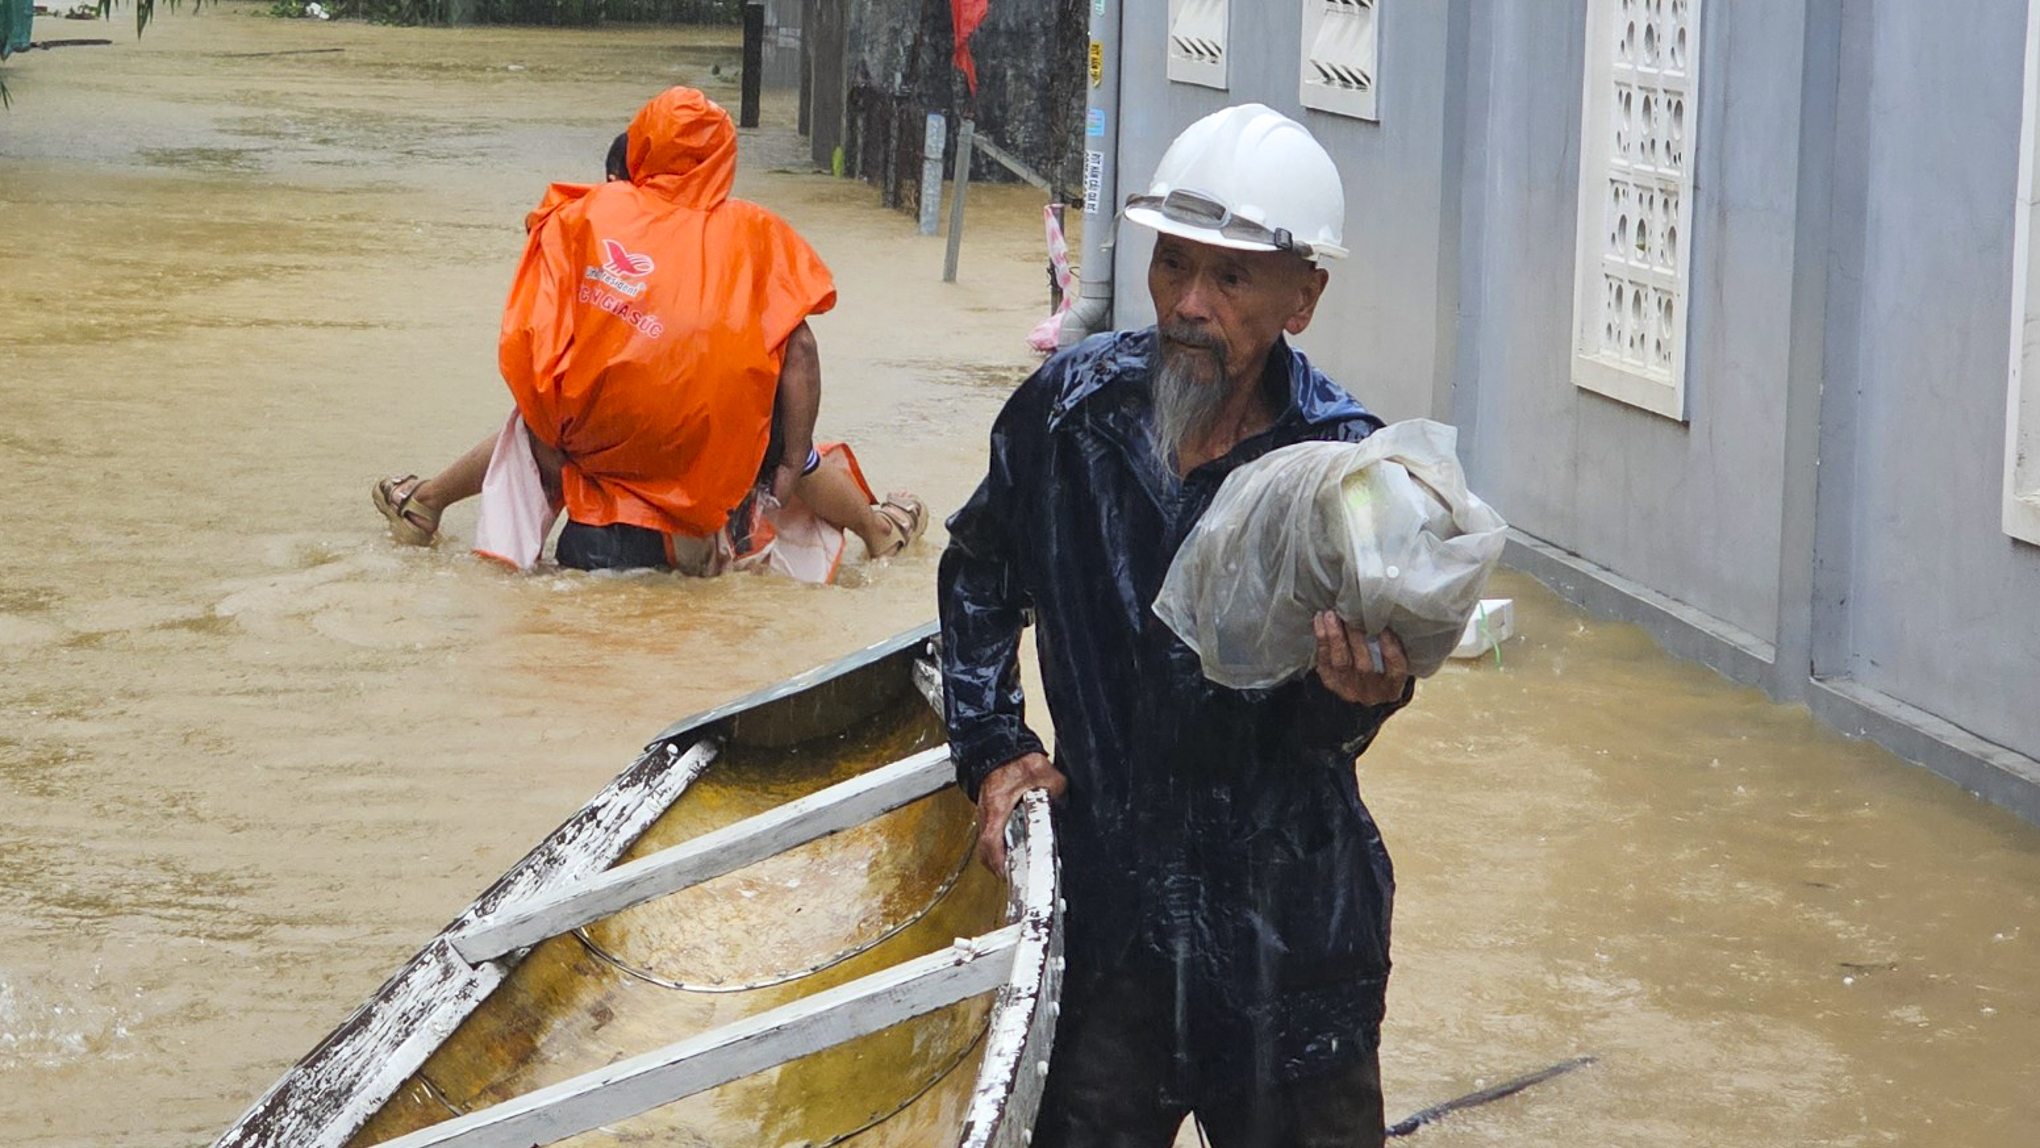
(684, 147)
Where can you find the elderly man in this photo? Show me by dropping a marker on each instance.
(1228, 894)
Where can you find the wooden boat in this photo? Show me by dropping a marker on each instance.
(767, 931)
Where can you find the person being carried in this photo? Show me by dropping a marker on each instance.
(667, 382)
(1227, 891)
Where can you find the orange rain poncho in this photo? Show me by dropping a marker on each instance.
(645, 327)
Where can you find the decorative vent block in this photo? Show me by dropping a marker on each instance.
(2022, 397)
(1341, 41)
(1636, 204)
(1197, 39)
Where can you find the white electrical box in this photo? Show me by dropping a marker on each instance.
(1197, 41)
(1341, 51)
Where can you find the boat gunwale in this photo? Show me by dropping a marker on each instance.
(1014, 1071)
(703, 722)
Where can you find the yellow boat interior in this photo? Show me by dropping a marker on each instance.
(816, 916)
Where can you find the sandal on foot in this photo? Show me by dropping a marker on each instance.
(411, 522)
(908, 518)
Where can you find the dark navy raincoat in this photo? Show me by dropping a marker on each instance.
(1220, 829)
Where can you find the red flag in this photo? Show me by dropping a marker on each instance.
(966, 15)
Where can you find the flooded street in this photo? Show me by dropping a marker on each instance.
(1768, 934)
(252, 754)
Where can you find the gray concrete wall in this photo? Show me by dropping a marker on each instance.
(1826, 521)
(1379, 322)
(1941, 609)
(1689, 508)
(1685, 506)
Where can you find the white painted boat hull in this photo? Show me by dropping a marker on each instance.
(780, 878)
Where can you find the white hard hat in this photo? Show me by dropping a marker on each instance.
(1248, 178)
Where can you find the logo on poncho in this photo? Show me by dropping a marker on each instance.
(619, 266)
(618, 261)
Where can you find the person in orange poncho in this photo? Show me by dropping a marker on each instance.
(666, 381)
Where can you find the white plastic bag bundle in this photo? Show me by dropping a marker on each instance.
(1383, 531)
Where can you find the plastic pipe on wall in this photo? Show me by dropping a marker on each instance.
(1092, 311)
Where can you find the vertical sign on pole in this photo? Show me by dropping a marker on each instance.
(931, 172)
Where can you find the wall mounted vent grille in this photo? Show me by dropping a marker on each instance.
(1197, 41)
(1341, 48)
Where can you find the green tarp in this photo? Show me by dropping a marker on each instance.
(17, 23)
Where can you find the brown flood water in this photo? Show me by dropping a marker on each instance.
(252, 755)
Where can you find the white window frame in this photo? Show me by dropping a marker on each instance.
(1316, 92)
(2022, 393)
(1211, 20)
(1659, 384)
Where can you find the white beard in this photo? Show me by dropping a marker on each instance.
(1189, 386)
